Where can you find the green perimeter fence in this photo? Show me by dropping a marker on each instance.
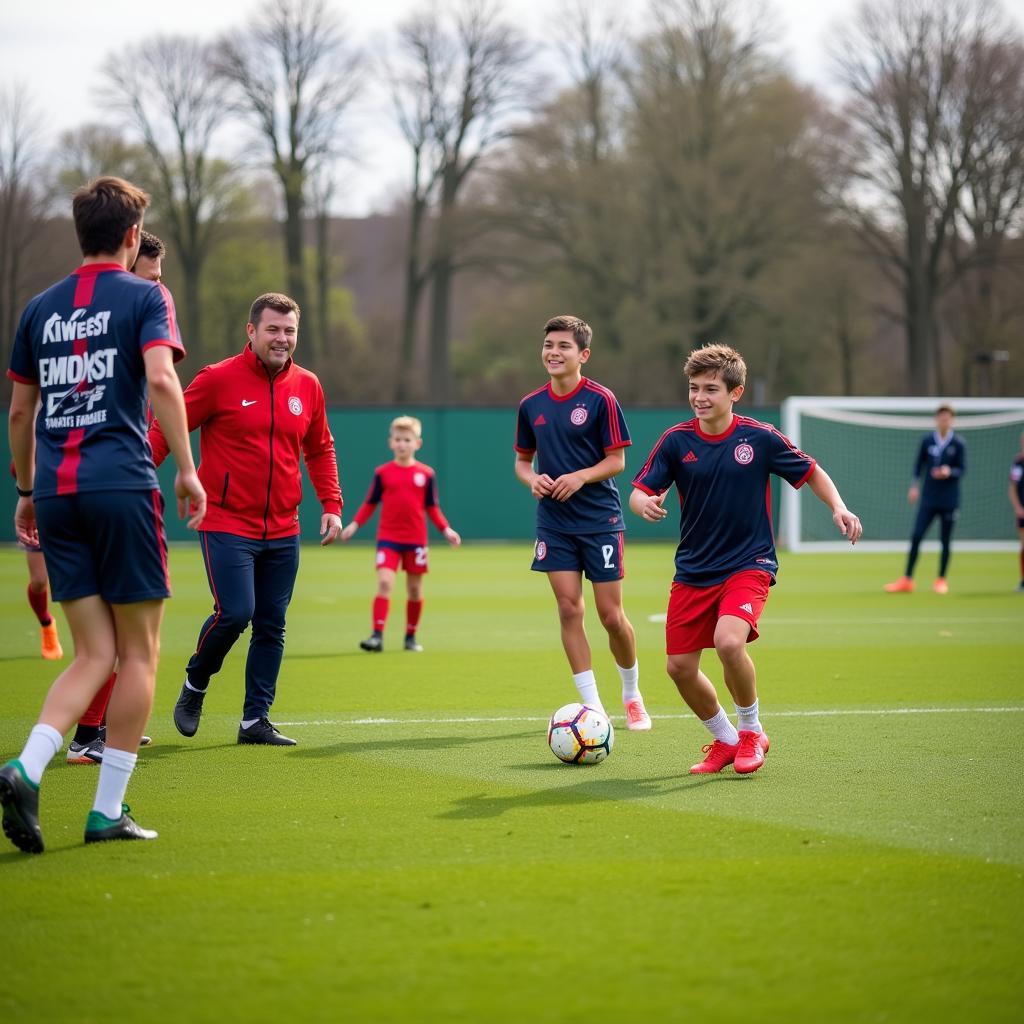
(471, 451)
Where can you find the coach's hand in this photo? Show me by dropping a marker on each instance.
(330, 528)
(848, 523)
(191, 497)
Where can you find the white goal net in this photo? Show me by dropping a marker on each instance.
(868, 447)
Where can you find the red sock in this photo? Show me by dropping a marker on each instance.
(413, 611)
(39, 600)
(96, 712)
(1022, 563)
(381, 605)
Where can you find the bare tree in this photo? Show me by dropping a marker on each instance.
(93, 150)
(917, 107)
(294, 76)
(455, 104)
(167, 90)
(22, 203)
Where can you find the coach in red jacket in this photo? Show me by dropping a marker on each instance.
(255, 411)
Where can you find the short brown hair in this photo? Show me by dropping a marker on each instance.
(945, 407)
(581, 331)
(726, 362)
(103, 212)
(273, 300)
(152, 247)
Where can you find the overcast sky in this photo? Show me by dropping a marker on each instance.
(55, 49)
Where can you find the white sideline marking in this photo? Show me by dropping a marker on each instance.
(823, 713)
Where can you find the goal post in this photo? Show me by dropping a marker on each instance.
(868, 447)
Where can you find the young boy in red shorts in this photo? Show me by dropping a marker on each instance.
(721, 464)
(406, 491)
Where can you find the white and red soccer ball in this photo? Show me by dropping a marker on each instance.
(578, 734)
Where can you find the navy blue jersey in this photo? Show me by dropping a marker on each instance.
(82, 341)
(1017, 477)
(932, 453)
(568, 433)
(725, 521)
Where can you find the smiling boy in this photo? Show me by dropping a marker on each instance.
(721, 465)
(573, 428)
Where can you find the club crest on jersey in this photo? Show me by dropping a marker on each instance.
(295, 406)
(419, 479)
(541, 550)
(578, 416)
(743, 454)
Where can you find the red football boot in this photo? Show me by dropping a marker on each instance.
(750, 752)
(719, 755)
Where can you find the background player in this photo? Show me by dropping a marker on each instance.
(575, 429)
(38, 598)
(406, 491)
(90, 347)
(1017, 501)
(258, 413)
(149, 263)
(721, 465)
(942, 459)
(86, 746)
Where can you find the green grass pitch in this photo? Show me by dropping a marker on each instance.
(421, 855)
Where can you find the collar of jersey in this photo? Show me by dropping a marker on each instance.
(98, 268)
(714, 438)
(572, 394)
(254, 364)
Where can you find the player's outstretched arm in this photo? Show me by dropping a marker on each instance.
(169, 407)
(825, 490)
(649, 507)
(539, 483)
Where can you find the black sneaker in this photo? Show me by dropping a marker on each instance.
(188, 710)
(373, 643)
(99, 828)
(20, 799)
(263, 731)
(412, 645)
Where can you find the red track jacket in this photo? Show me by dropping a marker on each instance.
(252, 428)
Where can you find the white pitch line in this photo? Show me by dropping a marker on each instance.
(822, 713)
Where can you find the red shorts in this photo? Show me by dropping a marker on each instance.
(693, 612)
(412, 559)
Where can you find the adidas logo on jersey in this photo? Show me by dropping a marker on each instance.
(745, 607)
(540, 421)
(689, 457)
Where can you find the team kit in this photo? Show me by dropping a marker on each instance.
(96, 407)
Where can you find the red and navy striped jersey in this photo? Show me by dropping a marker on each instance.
(81, 341)
(568, 433)
(724, 485)
(406, 495)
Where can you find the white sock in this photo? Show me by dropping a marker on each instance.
(630, 681)
(586, 686)
(43, 742)
(195, 689)
(248, 722)
(747, 720)
(115, 771)
(721, 728)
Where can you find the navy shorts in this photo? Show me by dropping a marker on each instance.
(599, 556)
(110, 543)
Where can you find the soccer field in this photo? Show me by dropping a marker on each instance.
(421, 855)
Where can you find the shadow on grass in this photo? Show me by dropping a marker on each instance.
(596, 790)
(413, 743)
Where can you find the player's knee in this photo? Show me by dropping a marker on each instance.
(613, 619)
(570, 610)
(235, 618)
(730, 646)
(680, 670)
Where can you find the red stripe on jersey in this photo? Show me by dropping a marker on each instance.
(161, 537)
(71, 458)
(84, 288)
(654, 451)
(613, 420)
(21, 380)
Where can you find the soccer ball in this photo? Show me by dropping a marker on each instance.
(578, 734)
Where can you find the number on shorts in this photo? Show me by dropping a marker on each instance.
(421, 556)
(608, 550)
